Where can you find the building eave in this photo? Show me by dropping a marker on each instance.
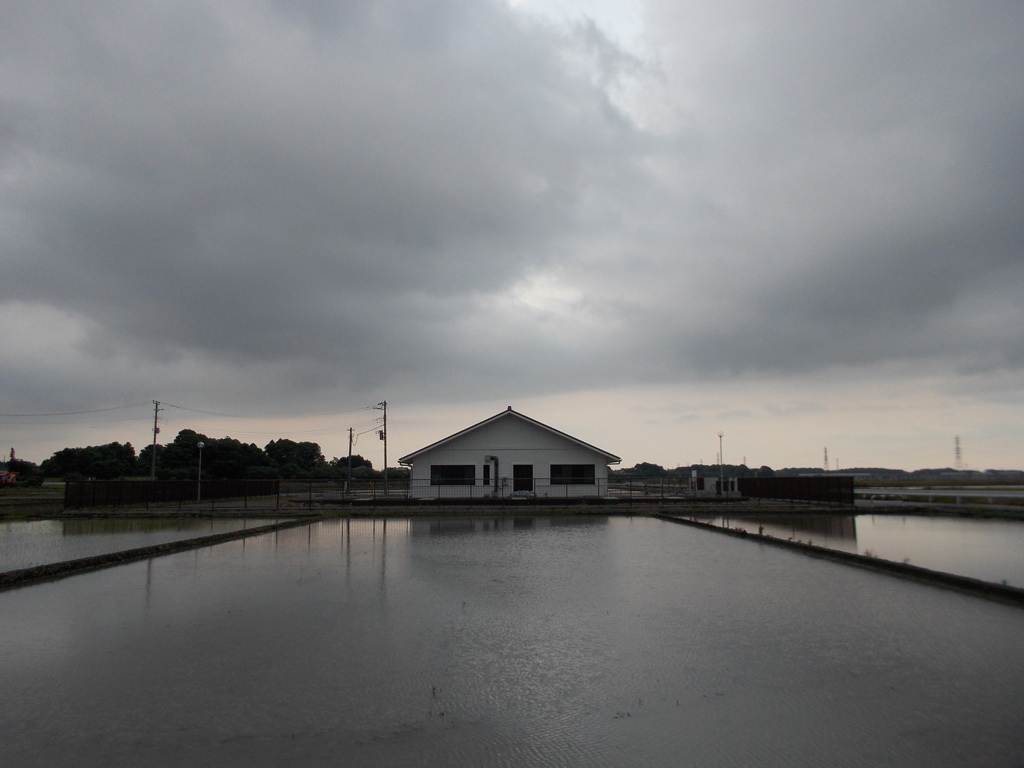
(410, 458)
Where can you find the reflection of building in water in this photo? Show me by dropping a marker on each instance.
(449, 526)
(799, 526)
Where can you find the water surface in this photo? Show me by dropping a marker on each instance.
(991, 550)
(26, 543)
(516, 642)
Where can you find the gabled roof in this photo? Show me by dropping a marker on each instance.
(509, 413)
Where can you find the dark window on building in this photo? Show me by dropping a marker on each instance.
(572, 474)
(522, 478)
(487, 474)
(452, 474)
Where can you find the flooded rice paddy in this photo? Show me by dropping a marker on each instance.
(24, 544)
(986, 549)
(505, 642)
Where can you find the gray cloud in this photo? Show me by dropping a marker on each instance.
(456, 198)
(868, 181)
(260, 187)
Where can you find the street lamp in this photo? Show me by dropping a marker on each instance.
(721, 468)
(199, 482)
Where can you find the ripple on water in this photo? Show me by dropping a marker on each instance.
(616, 643)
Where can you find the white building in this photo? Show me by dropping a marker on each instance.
(508, 455)
(707, 486)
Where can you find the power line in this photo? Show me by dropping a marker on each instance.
(267, 416)
(57, 414)
(256, 433)
(69, 413)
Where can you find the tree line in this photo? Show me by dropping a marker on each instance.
(229, 459)
(222, 459)
(647, 471)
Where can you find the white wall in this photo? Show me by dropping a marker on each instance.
(513, 441)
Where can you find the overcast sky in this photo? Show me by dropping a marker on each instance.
(639, 221)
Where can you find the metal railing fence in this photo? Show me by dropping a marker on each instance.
(234, 495)
(98, 494)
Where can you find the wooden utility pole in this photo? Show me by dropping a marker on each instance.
(156, 431)
(721, 466)
(348, 477)
(384, 436)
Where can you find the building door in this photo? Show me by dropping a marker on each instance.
(522, 477)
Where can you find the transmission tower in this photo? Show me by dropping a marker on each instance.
(826, 458)
(956, 454)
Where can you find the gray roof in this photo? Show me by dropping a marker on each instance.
(611, 457)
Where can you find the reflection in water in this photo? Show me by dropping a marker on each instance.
(27, 543)
(107, 526)
(991, 550)
(448, 526)
(579, 641)
(801, 526)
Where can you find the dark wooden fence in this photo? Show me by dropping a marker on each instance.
(823, 489)
(143, 493)
(278, 494)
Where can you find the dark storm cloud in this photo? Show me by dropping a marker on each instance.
(455, 197)
(241, 178)
(869, 183)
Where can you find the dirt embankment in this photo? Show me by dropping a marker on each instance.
(1001, 593)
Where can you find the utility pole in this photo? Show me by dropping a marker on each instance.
(721, 467)
(383, 405)
(199, 478)
(156, 431)
(348, 477)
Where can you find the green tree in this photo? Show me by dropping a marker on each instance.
(27, 470)
(292, 460)
(223, 458)
(360, 466)
(101, 462)
(357, 461)
(646, 469)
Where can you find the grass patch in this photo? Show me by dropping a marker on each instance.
(21, 491)
(28, 501)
